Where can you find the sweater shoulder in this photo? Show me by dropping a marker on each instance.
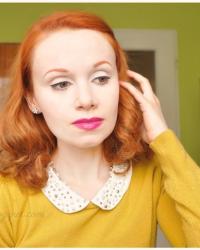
(11, 189)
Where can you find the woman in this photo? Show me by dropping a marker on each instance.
(87, 159)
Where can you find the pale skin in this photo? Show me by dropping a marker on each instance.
(85, 98)
(81, 60)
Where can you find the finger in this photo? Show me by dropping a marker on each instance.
(157, 101)
(144, 83)
(134, 91)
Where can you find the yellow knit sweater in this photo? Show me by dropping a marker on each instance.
(164, 190)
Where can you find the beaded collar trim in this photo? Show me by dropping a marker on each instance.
(68, 201)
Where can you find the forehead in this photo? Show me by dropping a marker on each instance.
(73, 46)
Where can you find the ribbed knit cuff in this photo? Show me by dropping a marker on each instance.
(167, 144)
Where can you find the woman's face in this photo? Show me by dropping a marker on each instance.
(75, 77)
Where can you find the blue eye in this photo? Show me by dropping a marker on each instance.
(61, 85)
(102, 79)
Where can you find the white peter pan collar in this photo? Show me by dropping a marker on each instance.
(68, 201)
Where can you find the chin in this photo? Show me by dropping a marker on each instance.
(90, 142)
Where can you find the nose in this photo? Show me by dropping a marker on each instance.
(85, 97)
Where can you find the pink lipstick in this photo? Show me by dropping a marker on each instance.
(88, 124)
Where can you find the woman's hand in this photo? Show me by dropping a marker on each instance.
(153, 120)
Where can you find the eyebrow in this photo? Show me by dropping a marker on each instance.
(66, 70)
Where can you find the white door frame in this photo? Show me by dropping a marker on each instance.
(164, 43)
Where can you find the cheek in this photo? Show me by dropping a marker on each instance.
(110, 109)
(50, 104)
(111, 98)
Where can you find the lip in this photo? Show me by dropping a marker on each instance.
(88, 124)
(88, 120)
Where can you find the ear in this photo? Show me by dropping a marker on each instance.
(32, 104)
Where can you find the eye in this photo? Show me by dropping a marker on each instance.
(102, 79)
(60, 85)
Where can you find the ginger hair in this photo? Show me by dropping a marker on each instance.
(26, 143)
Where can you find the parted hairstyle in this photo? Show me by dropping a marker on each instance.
(26, 142)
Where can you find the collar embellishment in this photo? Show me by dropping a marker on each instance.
(68, 201)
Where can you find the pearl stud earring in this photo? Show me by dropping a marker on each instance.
(35, 110)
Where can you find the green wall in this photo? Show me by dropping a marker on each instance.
(15, 18)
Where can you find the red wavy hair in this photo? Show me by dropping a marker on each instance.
(26, 143)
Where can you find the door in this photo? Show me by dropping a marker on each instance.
(7, 53)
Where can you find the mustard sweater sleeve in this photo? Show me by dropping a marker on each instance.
(178, 209)
(6, 234)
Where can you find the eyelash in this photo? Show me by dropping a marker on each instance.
(54, 86)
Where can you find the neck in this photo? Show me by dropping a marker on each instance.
(80, 165)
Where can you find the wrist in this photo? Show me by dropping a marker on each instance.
(157, 132)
